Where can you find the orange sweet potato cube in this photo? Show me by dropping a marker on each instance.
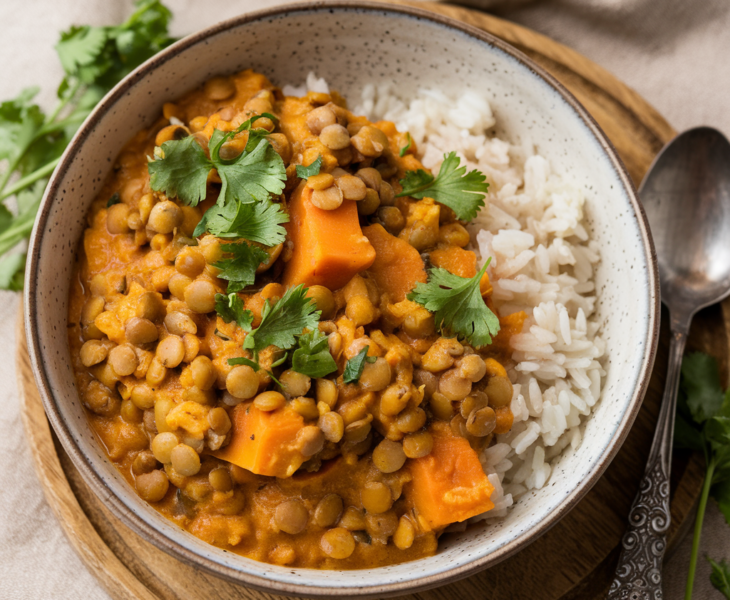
(264, 442)
(449, 485)
(329, 247)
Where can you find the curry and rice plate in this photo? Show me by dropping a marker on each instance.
(294, 358)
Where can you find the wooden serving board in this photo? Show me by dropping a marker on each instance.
(575, 559)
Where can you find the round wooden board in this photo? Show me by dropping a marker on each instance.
(575, 559)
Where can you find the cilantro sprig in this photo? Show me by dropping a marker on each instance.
(453, 187)
(259, 222)
(283, 322)
(290, 322)
(703, 423)
(311, 170)
(458, 306)
(239, 269)
(230, 308)
(313, 356)
(254, 175)
(355, 366)
(94, 60)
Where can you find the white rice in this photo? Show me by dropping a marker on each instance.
(542, 263)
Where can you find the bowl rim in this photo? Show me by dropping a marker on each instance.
(128, 516)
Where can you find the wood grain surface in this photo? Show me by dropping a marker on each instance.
(575, 559)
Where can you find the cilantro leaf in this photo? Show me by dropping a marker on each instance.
(407, 147)
(255, 135)
(113, 199)
(259, 222)
(252, 176)
(701, 384)
(311, 170)
(355, 366)
(453, 187)
(104, 55)
(717, 432)
(20, 122)
(12, 272)
(80, 47)
(240, 269)
(284, 321)
(720, 577)
(183, 172)
(458, 305)
(721, 493)
(230, 308)
(313, 356)
(242, 360)
(686, 436)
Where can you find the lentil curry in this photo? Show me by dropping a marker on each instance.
(351, 443)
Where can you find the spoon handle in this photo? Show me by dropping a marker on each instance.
(639, 572)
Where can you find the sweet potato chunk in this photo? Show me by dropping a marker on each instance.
(509, 325)
(455, 260)
(449, 485)
(329, 246)
(264, 442)
(398, 266)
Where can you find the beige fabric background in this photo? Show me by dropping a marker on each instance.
(673, 52)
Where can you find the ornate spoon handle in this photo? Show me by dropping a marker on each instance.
(639, 572)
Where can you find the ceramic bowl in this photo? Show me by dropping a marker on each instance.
(351, 44)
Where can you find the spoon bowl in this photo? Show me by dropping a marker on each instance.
(686, 196)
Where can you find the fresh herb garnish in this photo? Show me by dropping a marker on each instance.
(254, 175)
(258, 222)
(113, 199)
(311, 170)
(407, 147)
(230, 308)
(720, 577)
(313, 356)
(703, 423)
(240, 269)
(458, 305)
(183, 172)
(355, 366)
(453, 187)
(283, 322)
(94, 60)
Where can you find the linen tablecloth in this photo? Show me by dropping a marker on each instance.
(673, 52)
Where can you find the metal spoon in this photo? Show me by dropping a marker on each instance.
(686, 196)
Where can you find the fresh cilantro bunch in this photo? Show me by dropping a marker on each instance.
(94, 60)
(453, 187)
(703, 424)
(458, 306)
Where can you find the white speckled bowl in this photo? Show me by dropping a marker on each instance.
(351, 44)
